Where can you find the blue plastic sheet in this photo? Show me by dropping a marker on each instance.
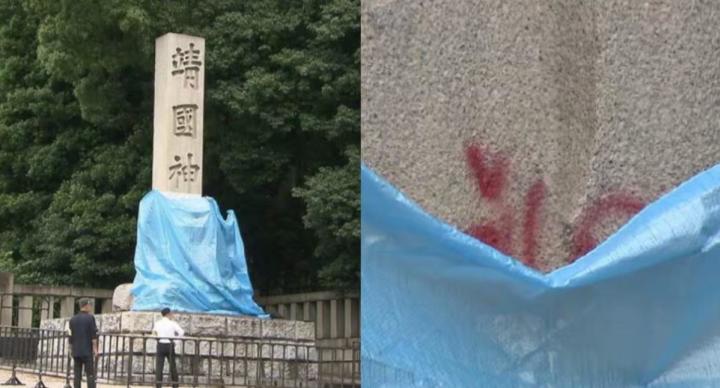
(190, 259)
(441, 309)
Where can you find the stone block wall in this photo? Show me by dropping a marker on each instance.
(215, 348)
(198, 325)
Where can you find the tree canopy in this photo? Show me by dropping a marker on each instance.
(282, 124)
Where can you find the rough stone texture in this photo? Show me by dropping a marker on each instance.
(208, 325)
(198, 325)
(279, 349)
(122, 297)
(109, 323)
(53, 324)
(138, 321)
(304, 330)
(288, 370)
(244, 327)
(178, 115)
(579, 112)
(280, 329)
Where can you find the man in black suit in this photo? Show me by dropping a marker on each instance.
(84, 343)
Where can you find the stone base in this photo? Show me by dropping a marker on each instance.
(198, 325)
(122, 298)
(233, 349)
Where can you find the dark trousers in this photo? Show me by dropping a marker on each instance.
(87, 362)
(165, 351)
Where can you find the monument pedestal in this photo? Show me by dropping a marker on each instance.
(222, 349)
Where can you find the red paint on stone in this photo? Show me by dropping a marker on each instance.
(497, 233)
(533, 206)
(612, 204)
(489, 170)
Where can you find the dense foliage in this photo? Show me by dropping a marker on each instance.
(281, 134)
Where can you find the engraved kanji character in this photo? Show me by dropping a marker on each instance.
(184, 119)
(187, 62)
(184, 171)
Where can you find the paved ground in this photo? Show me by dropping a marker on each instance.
(50, 382)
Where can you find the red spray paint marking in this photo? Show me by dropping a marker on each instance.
(497, 233)
(611, 204)
(489, 170)
(533, 206)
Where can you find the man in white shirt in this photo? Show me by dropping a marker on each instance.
(166, 329)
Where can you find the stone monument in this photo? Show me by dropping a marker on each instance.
(178, 117)
(177, 171)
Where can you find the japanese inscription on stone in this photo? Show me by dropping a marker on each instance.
(184, 120)
(187, 63)
(183, 170)
(178, 125)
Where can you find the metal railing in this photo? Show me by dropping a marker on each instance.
(201, 362)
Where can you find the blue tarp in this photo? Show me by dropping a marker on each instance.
(441, 309)
(190, 259)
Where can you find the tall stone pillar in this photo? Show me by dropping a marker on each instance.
(7, 284)
(178, 117)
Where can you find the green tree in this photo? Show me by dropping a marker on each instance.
(333, 206)
(281, 116)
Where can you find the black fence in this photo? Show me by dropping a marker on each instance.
(201, 362)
